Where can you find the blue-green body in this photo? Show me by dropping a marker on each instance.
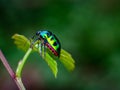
(50, 40)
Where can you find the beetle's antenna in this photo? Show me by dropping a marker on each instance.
(34, 39)
(33, 36)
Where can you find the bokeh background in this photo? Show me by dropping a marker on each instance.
(88, 29)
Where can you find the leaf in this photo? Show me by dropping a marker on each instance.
(67, 60)
(21, 42)
(52, 64)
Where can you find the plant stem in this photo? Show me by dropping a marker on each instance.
(20, 68)
(10, 71)
(7, 66)
(22, 62)
(18, 79)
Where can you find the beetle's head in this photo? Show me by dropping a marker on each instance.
(38, 33)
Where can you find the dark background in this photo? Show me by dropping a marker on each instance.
(88, 29)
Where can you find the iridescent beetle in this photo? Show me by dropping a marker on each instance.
(49, 40)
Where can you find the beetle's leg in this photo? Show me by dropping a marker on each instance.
(44, 50)
(32, 43)
(41, 46)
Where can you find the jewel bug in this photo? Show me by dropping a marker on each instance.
(49, 40)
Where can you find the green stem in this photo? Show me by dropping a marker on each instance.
(19, 81)
(20, 68)
(22, 62)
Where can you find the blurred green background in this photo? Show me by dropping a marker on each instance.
(88, 29)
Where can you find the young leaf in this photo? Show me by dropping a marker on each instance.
(21, 42)
(52, 64)
(67, 60)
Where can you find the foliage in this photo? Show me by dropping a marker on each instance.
(23, 43)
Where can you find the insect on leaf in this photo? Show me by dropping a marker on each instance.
(23, 43)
